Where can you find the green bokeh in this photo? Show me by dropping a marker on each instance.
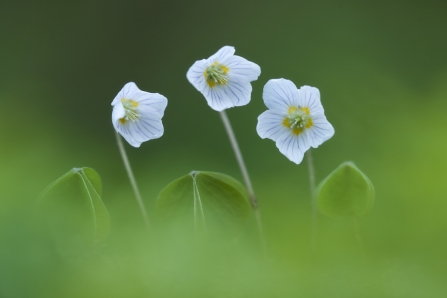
(381, 67)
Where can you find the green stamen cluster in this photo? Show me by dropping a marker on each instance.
(130, 108)
(216, 74)
(298, 119)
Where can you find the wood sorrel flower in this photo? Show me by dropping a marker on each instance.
(137, 114)
(295, 119)
(224, 79)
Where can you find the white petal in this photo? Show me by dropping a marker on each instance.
(222, 54)
(307, 138)
(150, 109)
(126, 133)
(320, 131)
(270, 125)
(242, 67)
(147, 127)
(195, 75)
(237, 92)
(238, 89)
(292, 146)
(152, 103)
(218, 97)
(127, 92)
(151, 125)
(280, 94)
(144, 129)
(118, 112)
(310, 98)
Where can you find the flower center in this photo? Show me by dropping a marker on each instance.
(297, 119)
(216, 73)
(130, 108)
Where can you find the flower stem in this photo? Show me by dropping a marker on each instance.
(243, 168)
(133, 182)
(357, 236)
(310, 165)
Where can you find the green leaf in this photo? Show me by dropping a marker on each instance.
(94, 179)
(71, 206)
(204, 202)
(345, 192)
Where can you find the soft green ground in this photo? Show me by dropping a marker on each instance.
(381, 68)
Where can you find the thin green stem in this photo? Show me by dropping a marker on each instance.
(311, 168)
(133, 182)
(243, 168)
(357, 235)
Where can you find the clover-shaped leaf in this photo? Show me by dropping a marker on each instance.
(345, 192)
(204, 202)
(71, 206)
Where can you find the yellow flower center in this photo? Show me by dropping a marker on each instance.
(297, 119)
(130, 108)
(216, 73)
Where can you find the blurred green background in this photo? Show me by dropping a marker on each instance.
(381, 67)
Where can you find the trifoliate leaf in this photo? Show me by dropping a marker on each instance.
(94, 179)
(71, 206)
(345, 192)
(204, 202)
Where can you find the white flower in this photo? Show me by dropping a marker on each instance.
(295, 119)
(224, 79)
(137, 114)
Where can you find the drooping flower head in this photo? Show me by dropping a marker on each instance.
(224, 79)
(137, 114)
(295, 119)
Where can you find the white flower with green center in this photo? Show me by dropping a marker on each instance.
(137, 114)
(295, 119)
(224, 79)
